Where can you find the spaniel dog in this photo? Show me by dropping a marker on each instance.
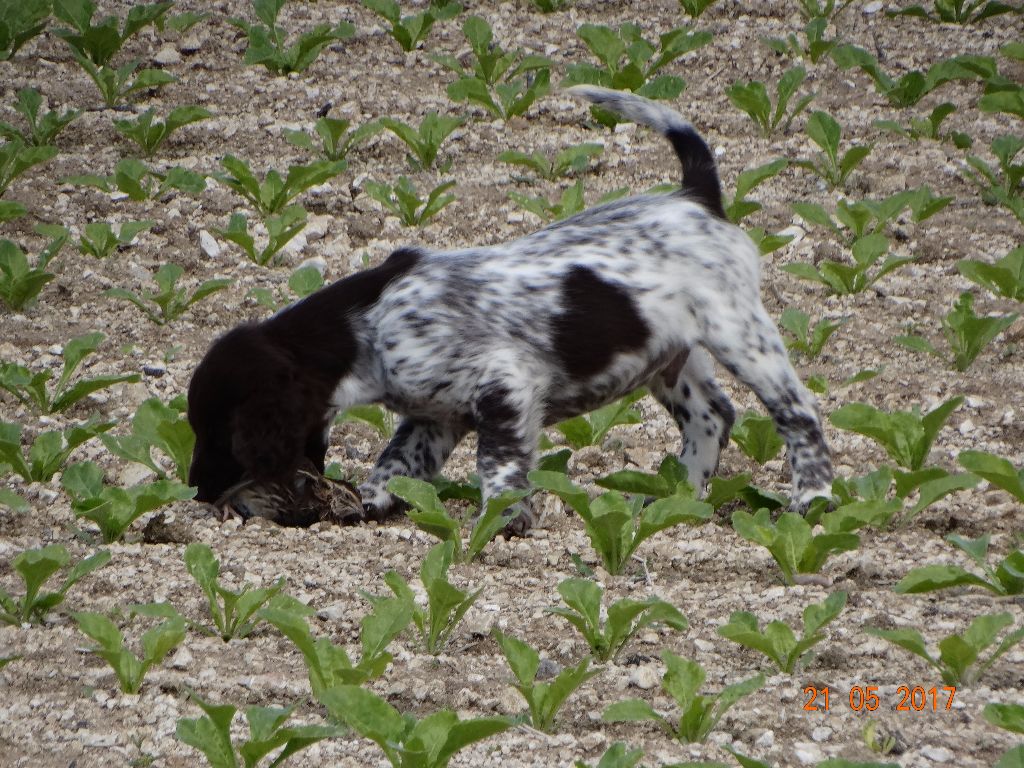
(508, 339)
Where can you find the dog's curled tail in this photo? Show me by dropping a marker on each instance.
(700, 175)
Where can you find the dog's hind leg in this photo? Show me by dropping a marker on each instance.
(701, 409)
(418, 449)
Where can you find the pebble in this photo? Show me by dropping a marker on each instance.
(208, 245)
(821, 733)
(182, 659)
(167, 55)
(937, 754)
(766, 740)
(873, 7)
(806, 753)
(644, 677)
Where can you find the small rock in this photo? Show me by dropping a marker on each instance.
(208, 245)
(766, 740)
(937, 754)
(510, 702)
(548, 669)
(806, 753)
(182, 659)
(966, 427)
(873, 7)
(167, 55)
(316, 263)
(644, 677)
(822, 733)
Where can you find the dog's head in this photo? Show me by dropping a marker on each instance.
(247, 409)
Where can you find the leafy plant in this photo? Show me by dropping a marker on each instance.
(814, 46)
(16, 157)
(996, 470)
(804, 340)
(544, 699)
(140, 182)
(829, 165)
(1004, 278)
(130, 669)
(42, 129)
(569, 160)
(669, 479)
(914, 85)
(36, 566)
(280, 231)
(273, 194)
(406, 741)
(376, 416)
(100, 240)
(267, 44)
(865, 500)
(168, 302)
(336, 140)
(49, 450)
(777, 641)
(410, 31)
(20, 21)
(93, 46)
(115, 509)
(628, 62)
(698, 713)
(959, 660)
(329, 665)
(907, 436)
(1008, 716)
(425, 140)
(694, 8)
(741, 206)
(618, 755)
(1006, 578)
(1003, 185)
(624, 618)
(592, 428)
(150, 134)
(756, 436)
(928, 127)
(966, 333)
(752, 98)
(856, 219)
(211, 734)
(160, 426)
(446, 603)
(615, 526)
(790, 541)
(404, 202)
(957, 11)
(21, 283)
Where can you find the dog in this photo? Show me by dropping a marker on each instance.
(508, 339)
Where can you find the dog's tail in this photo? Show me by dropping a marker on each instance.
(700, 175)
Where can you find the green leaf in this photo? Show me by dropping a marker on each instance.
(1008, 716)
(757, 438)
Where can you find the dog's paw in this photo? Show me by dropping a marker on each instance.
(520, 518)
(378, 505)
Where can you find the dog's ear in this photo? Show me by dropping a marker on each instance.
(267, 431)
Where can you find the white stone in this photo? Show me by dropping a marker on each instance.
(208, 245)
(766, 740)
(822, 733)
(644, 677)
(182, 659)
(873, 7)
(807, 753)
(937, 754)
(167, 55)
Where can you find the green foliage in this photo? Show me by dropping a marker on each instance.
(267, 44)
(1003, 184)
(753, 99)
(329, 665)
(698, 714)
(616, 527)
(273, 194)
(790, 541)
(1004, 278)
(829, 165)
(233, 613)
(957, 11)
(814, 45)
(914, 85)
(856, 219)
(777, 641)
(36, 566)
(446, 603)
(21, 283)
(669, 479)
(928, 127)
(549, 6)
(160, 426)
(16, 157)
(907, 436)
(115, 509)
(569, 204)
(966, 333)
(150, 134)
(423, 141)
(756, 436)
(694, 8)
(624, 618)
(20, 21)
(570, 160)
(628, 62)
(280, 231)
(410, 31)
(618, 755)
(865, 500)
(959, 660)
(376, 416)
(504, 83)
(543, 699)
(94, 46)
(592, 428)
(211, 734)
(100, 240)
(741, 206)
(1003, 97)
(129, 668)
(301, 283)
(140, 182)
(1006, 578)
(30, 389)
(1008, 716)
(804, 340)
(336, 140)
(168, 302)
(49, 451)
(42, 129)
(996, 470)
(404, 202)
(406, 741)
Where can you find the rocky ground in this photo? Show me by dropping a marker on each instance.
(62, 705)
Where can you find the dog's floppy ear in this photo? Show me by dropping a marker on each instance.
(268, 432)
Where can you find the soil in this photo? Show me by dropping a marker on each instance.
(62, 704)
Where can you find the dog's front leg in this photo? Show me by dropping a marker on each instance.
(418, 449)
